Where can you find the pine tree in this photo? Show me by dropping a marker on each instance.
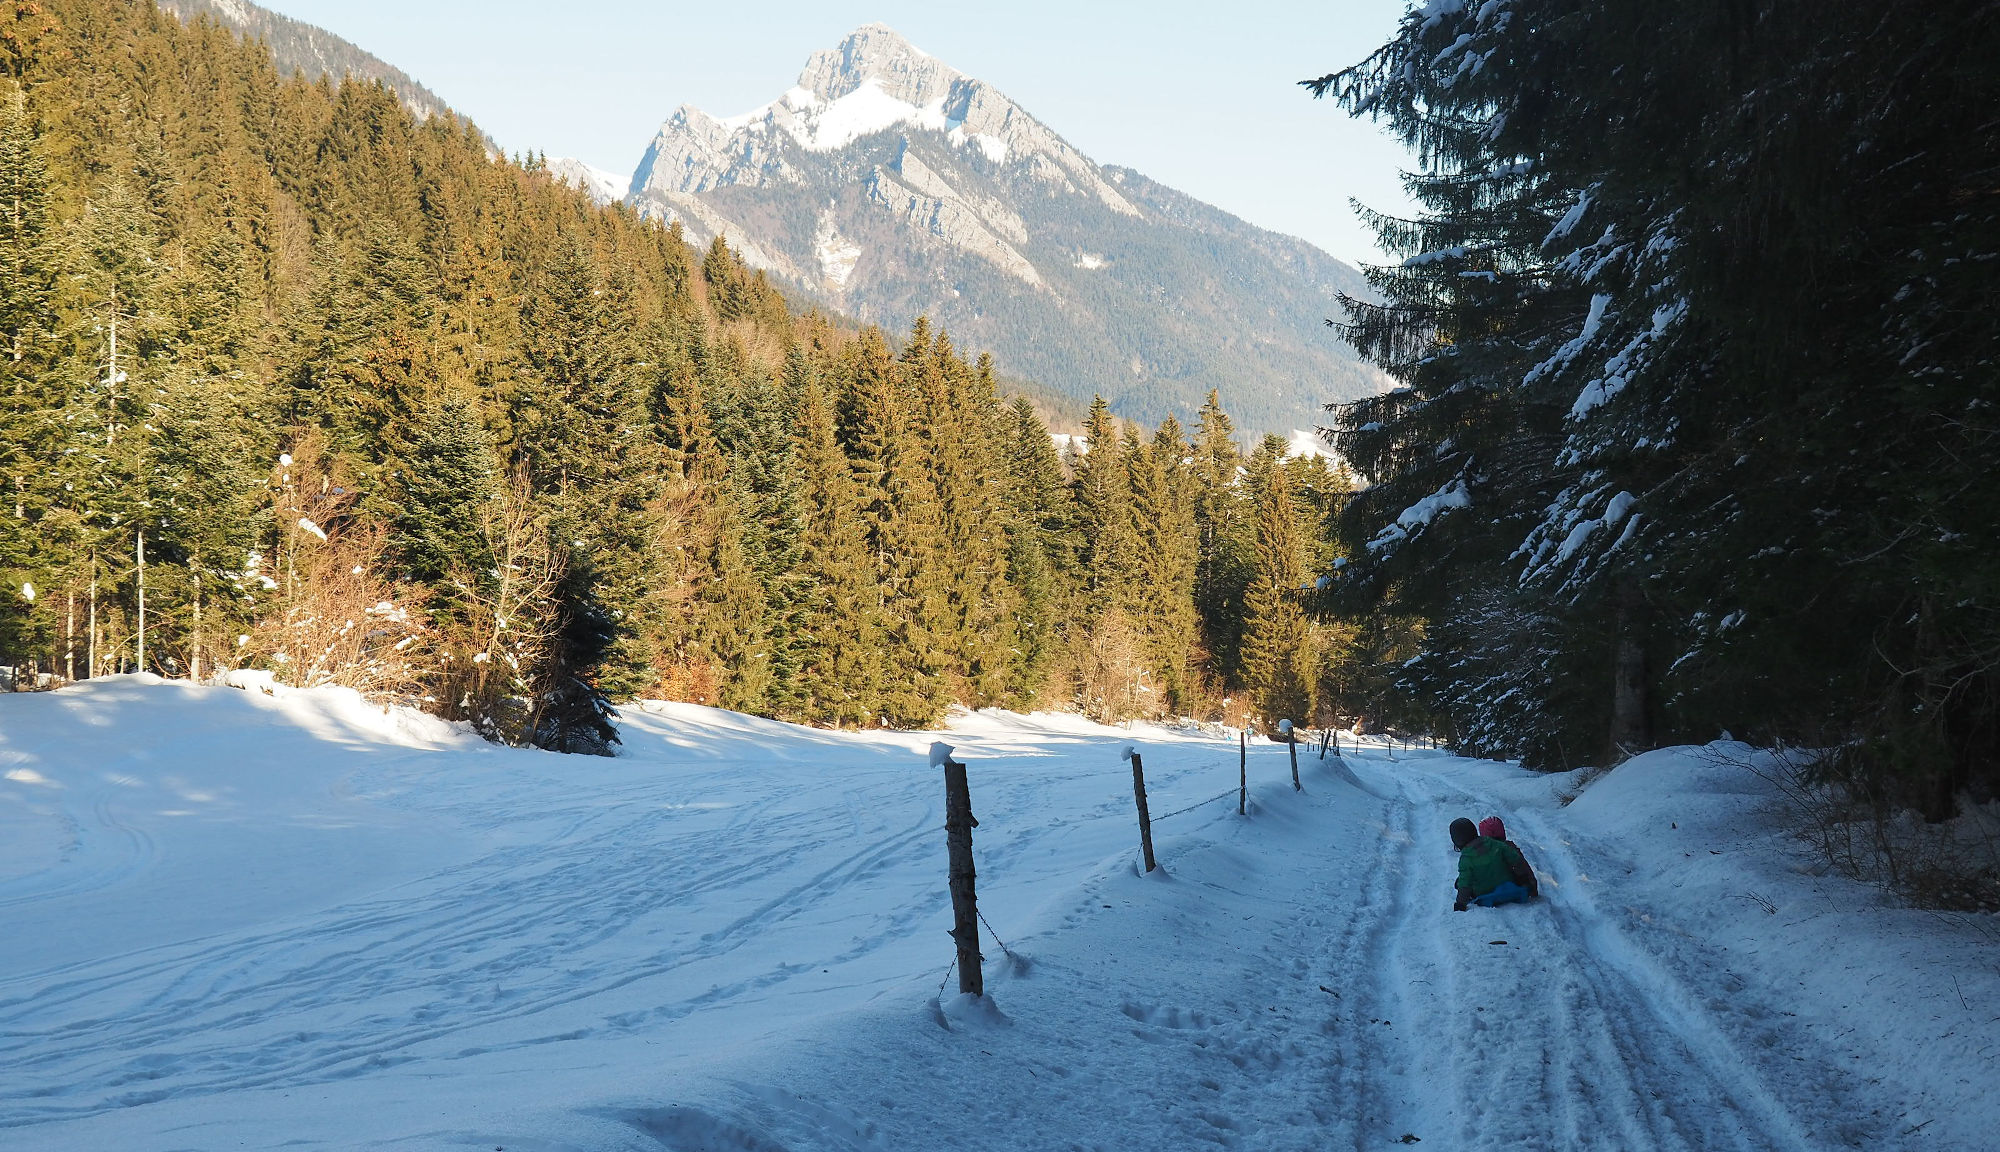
(755, 628)
(1680, 379)
(911, 552)
(1102, 495)
(204, 513)
(728, 291)
(958, 426)
(841, 624)
(448, 478)
(681, 367)
(1225, 542)
(366, 358)
(1163, 528)
(1041, 553)
(30, 396)
(1277, 660)
(583, 444)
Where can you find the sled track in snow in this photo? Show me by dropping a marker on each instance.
(1370, 1064)
(1568, 1020)
(111, 852)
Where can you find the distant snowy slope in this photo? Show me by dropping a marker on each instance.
(1304, 443)
(268, 918)
(604, 187)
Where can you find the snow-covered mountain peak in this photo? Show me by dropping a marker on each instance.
(890, 184)
(877, 52)
(873, 82)
(818, 124)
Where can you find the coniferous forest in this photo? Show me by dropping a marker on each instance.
(1695, 333)
(299, 381)
(1693, 434)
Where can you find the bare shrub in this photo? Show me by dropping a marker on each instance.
(1584, 778)
(1948, 865)
(338, 618)
(343, 621)
(1113, 672)
(493, 642)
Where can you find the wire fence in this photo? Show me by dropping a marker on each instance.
(1195, 805)
(984, 923)
(996, 937)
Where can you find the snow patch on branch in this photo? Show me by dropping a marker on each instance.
(1418, 516)
(1570, 219)
(1619, 370)
(1569, 351)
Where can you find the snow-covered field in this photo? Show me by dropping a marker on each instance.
(237, 919)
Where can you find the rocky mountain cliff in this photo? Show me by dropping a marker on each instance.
(888, 184)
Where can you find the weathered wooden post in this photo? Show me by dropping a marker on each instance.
(958, 826)
(1139, 794)
(1292, 745)
(1324, 737)
(1242, 771)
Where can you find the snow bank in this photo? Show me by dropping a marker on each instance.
(276, 915)
(256, 916)
(1909, 998)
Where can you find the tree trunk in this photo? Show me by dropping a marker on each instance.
(1631, 731)
(194, 649)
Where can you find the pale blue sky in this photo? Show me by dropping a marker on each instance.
(1201, 96)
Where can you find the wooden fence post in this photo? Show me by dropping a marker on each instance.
(1139, 794)
(1323, 738)
(1242, 772)
(958, 826)
(1291, 736)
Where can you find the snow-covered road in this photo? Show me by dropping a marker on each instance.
(1545, 1026)
(238, 919)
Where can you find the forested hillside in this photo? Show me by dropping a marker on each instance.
(302, 49)
(1696, 337)
(298, 381)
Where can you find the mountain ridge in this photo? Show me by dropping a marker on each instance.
(885, 183)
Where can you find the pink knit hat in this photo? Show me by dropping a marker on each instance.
(1492, 828)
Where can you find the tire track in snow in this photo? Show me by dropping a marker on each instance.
(1367, 1077)
(1418, 978)
(1616, 1049)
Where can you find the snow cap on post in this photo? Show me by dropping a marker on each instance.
(1127, 752)
(939, 754)
(1284, 725)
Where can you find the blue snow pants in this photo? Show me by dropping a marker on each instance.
(1507, 893)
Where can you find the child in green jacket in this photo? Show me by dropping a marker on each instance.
(1490, 871)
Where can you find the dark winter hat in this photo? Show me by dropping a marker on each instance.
(1462, 832)
(1492, 829)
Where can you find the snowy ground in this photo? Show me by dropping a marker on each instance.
(237, 919)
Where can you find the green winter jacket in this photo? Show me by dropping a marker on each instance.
(1485, 864)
